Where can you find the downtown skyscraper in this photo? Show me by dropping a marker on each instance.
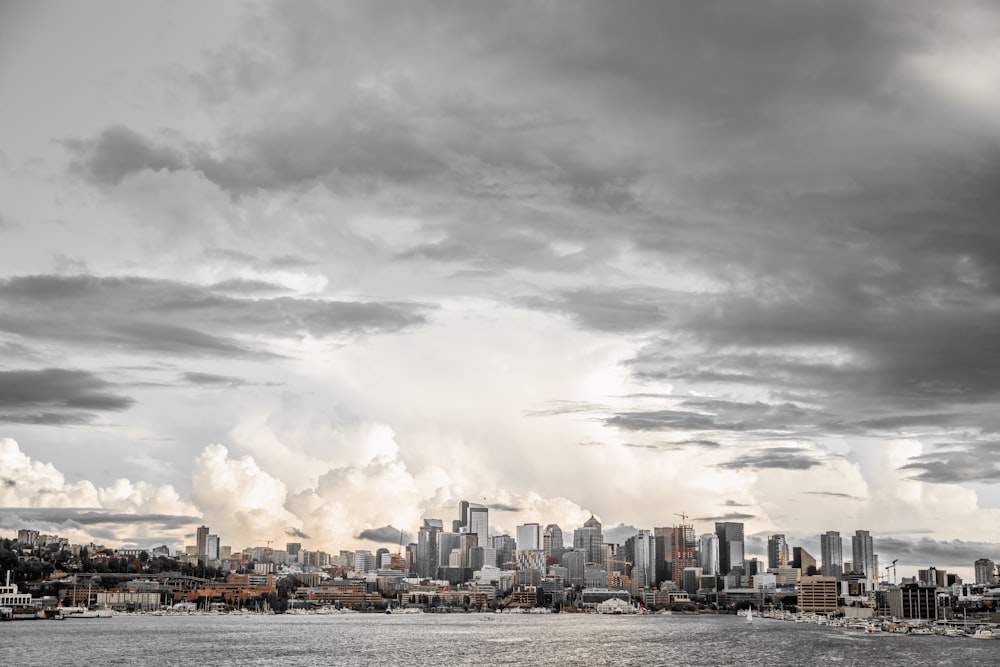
(831, 552)
(731, 546)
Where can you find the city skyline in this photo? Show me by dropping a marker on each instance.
(320, 271)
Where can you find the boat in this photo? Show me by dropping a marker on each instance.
(983, 633)
(750, 615)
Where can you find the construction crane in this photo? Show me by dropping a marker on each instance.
(683, 516)
(270, 551)
(893, 568)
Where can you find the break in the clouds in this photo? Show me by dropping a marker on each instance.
(740, 247)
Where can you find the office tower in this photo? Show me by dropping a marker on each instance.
(831, 551)
(212, 547)
(447, 542)
(691, 580)
(364, 561)
(731, 546)
(552, 541)
(504, 545)
(986, 572)
(575, 562)
(643, 557)
(708, 554)
(777, 551)
(293, 549)
(480, 557)
(472, 518)
(529, 537)
(590, 538)
(427, 548)
(863, 554)
(201, 544)
(479, 523)
(933, 577)
(803, 560)
(463, 517)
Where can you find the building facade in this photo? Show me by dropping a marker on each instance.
(831, 552)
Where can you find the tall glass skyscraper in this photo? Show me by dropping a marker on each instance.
(831, 551)
(777, 551)
(590, 538)
(708, 554)
(731, 546)
(863, 552)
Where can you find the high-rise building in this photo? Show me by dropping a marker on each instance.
(364, 561)
(708, 554)
(427, 548)
(803, 560)
(529, 537)
(479, 523)
(447, 542)
(552, 541)
(863, 556)
(831, 552)
(201, 541)
(663, 536)
(575, 562)
(643, 565)
(731, 546)
(472, 518)
(212, 547)
(777, 551)
(986, 572)
(933, 577)
(590, 538)
(505, 547)
(293, 549)
(684, 551)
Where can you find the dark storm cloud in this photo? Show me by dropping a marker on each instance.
(385, 534)
(296, 533)
(832, 494)
(781, 458)
(181, 318)
(56, 396)
(719, 415)
(664, 420)
(75, 517)
(929, 552)
(213, 380)
(957, 463)
(119, 152)
(613, 310)
(503, 507)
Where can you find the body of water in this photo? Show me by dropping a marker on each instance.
(469, 639)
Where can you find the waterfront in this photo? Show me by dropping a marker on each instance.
(469, 639)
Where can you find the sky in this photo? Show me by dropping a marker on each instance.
(311, 271)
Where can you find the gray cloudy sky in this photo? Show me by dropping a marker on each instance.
(324, 269)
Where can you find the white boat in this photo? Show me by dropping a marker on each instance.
(750, 615)
(983, 633)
